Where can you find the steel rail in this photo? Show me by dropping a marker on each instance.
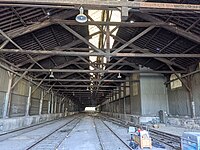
(100, 143)
(60, 142)
(166, 138)
(117, 135)
(172, 140)
(45, 137)
(31, 128)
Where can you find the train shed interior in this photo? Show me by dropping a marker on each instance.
(136, 62)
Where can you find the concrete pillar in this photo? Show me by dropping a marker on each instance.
(124, 99)
(7, 102)
(41, 102)
(191, 99)
(131, 94)
(55, 104)
(52, 103)
(28, 104)
(70, 106)
(152, 91)
(112, 103)
(63, 107)
(67, 105)
(121, 103)
(127, 95)
(135, 96)
(49, 106)
(118, 99)
(59, 108)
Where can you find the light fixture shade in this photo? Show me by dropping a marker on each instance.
(119, 76)
(81, 18)
(51, 75)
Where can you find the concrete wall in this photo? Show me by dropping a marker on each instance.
(39, 108)
(179, 104)
(153, 94)
(135, 95)
(146, 96)
(196, 92)
(19, 122)
(3, 88)
(2, 97)
(178, 101)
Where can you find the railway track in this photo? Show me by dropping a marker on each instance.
(51, 140)
(113, 133)
(66, 135)
(117, 136)
(166, 138)
(170, 140)
(100, 141)
(14, 133)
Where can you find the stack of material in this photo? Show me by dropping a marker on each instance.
(143, 140)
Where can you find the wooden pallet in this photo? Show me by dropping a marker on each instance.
(143, 142)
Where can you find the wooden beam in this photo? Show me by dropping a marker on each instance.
(78, 90)
(4, 44)
(166, 61)
(83, 86)
(16, 45)
(39, 84)
(116, 63)
(176, 30)
(101, 4)
(81, 38)
(177, 75)
(82, 80)
(22, 76)
(95, 71)
(73, 43)
(133, 39)
(24, 30)
(86, 54)
(173, 59)
(107, 23)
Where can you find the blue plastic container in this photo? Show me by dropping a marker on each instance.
(190, 141)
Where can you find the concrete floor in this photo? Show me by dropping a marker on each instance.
(174, 130)
(23, 140)
(82, 137)
(86, 133)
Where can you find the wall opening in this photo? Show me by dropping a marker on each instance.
(90, 109)
(176, 83)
